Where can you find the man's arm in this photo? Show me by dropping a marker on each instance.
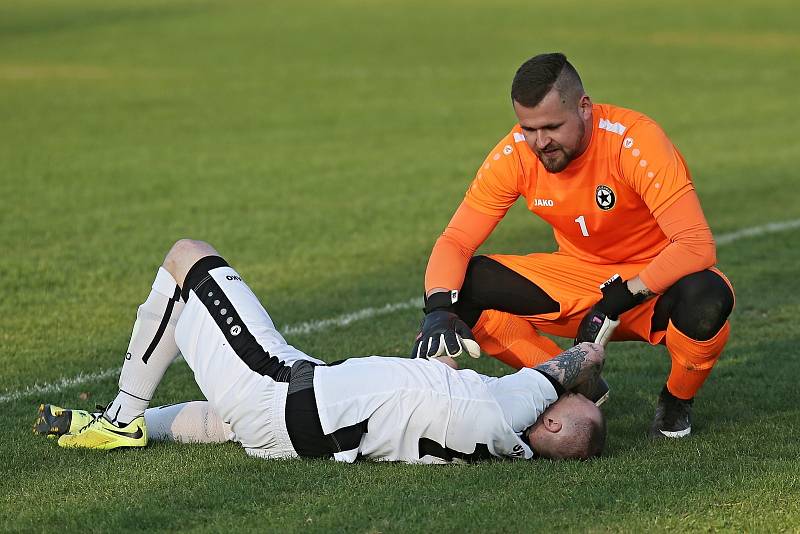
(691, 247)
(656, 170)
(691, 250)
(467, 230)
(523, 396)
(658, 173)
(442, 331)
(574, 367)
(493, 191)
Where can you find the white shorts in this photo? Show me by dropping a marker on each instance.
(239, 360)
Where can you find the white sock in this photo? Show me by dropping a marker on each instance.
(189, 422)
(151, 350)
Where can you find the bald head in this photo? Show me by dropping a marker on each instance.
(571, 428)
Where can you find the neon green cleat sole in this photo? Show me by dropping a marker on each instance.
(101, 434)
(53, 421)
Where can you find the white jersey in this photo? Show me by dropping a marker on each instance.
(422, 411)
(416, 410)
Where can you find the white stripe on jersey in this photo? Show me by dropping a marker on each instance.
(422, 411)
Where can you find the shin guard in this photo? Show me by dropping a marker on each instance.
(692, 360)
(151, 350)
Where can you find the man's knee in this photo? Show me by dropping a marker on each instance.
(704, 302)
(185, 253)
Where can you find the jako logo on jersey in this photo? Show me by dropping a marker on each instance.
(605, 197)
(613, 127)
(543, 202)
(233, 277)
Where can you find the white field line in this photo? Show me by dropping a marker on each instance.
(339, 321)
(306, 327)
(61, 385)
(754, 231)
(344, 320)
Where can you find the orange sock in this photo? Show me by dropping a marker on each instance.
(513, 340)
(692, 360)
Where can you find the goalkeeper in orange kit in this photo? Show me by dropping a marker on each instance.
(625, 216)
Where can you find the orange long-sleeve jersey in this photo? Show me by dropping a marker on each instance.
(628, 198)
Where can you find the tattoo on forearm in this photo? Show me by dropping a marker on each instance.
(569, 368)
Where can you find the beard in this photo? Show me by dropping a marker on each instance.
(555, 157)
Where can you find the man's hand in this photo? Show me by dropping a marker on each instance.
(442, 332)
(596, 327)
(600, 321)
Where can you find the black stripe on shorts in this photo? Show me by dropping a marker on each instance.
(230, 322)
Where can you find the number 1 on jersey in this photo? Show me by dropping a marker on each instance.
(582, 223)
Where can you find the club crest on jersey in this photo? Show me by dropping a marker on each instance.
(604, 197)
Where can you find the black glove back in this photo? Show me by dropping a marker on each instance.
(600, 321)
(617, 298)
(442, 333)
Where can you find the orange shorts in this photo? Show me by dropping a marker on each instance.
(575, 285)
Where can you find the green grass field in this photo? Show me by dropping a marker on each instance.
(322, 146)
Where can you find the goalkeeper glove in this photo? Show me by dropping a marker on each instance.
(442, 332)
(601, 320)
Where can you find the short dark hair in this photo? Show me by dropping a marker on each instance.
(589, 439)
(597, 439)
(537, 76)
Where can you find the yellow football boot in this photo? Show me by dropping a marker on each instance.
(102, 434)
(53, 421)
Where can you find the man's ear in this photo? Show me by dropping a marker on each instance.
(585, 106)
(551, 425)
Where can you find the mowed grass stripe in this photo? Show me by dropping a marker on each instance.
(308, 327)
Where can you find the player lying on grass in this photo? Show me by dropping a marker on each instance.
(278, 402)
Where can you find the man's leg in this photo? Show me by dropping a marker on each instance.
(151, 350)
(512, 340)
(691, 318)
(187, 422)
(694, 313)
(240, 361)
(230, 343)
(490, 302)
